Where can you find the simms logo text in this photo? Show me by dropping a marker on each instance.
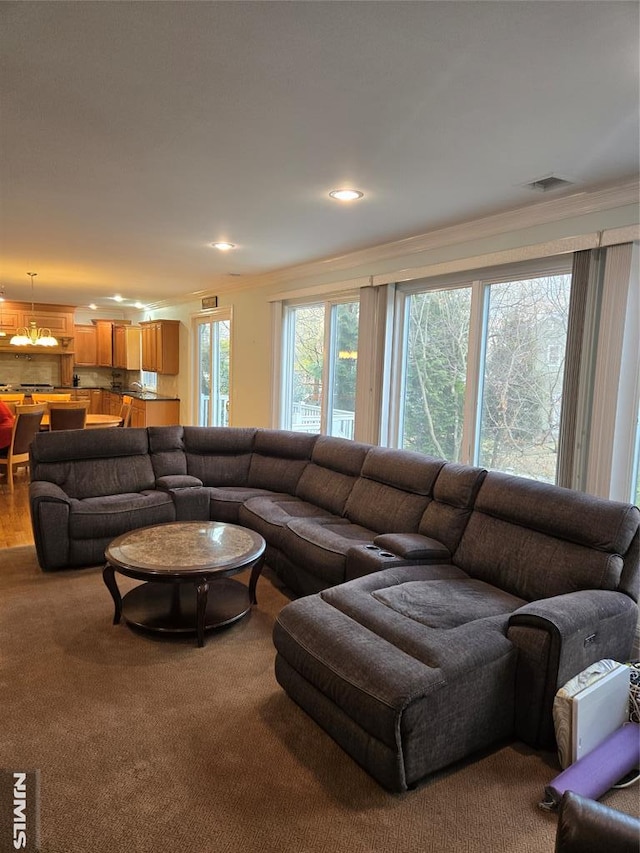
(19, 810)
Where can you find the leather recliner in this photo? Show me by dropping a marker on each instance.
(587, 826)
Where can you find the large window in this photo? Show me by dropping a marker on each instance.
(320, 366)
(525, 335)
(479, 367)
(437, 338)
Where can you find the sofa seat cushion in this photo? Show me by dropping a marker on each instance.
(413, 697)
(225, 501)
(430, 603)
(111, 515)
(425, 603)
(321, 544)
(270, 514)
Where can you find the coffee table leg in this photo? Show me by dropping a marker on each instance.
(108, 576)
(202, 595)
(255, 574)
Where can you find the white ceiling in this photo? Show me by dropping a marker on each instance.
(134, 134)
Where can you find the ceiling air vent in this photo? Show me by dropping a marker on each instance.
(545, 185)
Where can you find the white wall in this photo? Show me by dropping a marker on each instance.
(549, 227)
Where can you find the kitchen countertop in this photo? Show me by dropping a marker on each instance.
(140, 395)
(147, 396)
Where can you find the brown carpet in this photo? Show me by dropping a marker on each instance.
(152, 745)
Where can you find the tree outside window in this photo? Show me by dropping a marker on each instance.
(522, 328)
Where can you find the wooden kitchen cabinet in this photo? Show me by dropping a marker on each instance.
(85, 345)
(105, 343)
(56, 318)
(111, 403)
(126, 346)
(138, 413)
(92, 397)
(66, 369)
(148, 346)
(161, 346)
(104, 332)
(82, 395)
(146, 413)
(92, 344)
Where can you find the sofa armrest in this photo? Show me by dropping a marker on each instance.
(391, 550)
(44, 490)
(50, 508)
(414, 546)
(585, 825)
(556, 639)
(190, 498)
(177, 481)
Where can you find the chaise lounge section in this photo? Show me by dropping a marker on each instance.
(443, 606)
(413, 668)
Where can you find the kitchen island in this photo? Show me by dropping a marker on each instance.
(146, 409)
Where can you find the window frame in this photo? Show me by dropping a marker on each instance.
(479, 281)
(329, 304)
(215, 315)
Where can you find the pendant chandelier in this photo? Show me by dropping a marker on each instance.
(31, 335)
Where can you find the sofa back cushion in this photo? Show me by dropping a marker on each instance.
(454, 493)
(393, 490)
(95, 463)
(166, 445)
(537, 540)
(279, 458)
(328, 479)
(219, 456)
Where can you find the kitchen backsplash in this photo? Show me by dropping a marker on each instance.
(95, 377)
(23, 368)
(26, 369)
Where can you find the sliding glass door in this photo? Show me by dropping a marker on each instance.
(320, 366)
(213, 369)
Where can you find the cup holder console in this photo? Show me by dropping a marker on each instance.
(380, 553)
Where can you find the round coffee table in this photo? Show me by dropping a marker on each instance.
(182, 562)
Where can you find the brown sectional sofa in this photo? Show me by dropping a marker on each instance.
(442, 605)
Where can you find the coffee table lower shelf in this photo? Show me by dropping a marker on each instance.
(172, 608)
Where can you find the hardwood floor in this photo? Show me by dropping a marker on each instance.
(15, 523)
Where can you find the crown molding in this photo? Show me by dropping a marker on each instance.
(568, 206)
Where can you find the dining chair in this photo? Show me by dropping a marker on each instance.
(125, 414)
(71, 416)
(12, 398)
(25, 426)
(51, 398)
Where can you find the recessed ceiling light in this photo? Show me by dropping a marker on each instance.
(346, 195)
(223, 246)
(138, 305)
(118, 298)
(93, 306)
